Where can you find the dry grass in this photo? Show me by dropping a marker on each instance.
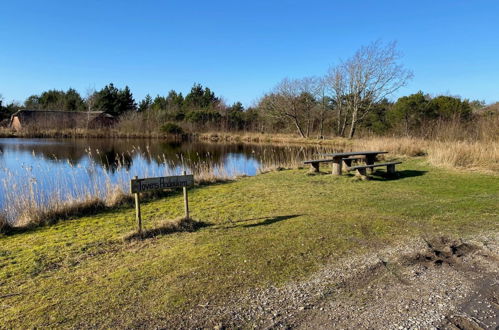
(477, 155)
(395, 146)
(481, 155)
(274, 138)
(59, 211)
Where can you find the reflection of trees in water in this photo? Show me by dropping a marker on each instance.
(112, 154)
(111, 160)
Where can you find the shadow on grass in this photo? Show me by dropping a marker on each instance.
(168, 227)
(269, 221)
(404, 174)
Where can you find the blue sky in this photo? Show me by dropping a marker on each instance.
(240, 49)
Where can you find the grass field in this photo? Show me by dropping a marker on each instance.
(260, 231)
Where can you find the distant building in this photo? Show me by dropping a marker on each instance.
(5, 123)
(53, 119)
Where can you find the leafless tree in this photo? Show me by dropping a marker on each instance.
(90, 101)
(309, 91)
(372, 74)
(320, 92)
(293, 100)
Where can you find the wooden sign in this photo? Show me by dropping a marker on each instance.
(138, 186)
(165, 182)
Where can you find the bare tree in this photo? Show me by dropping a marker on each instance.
(90, 101)
(336, 80)
(372, 74)
(293, 100)
(309, 91)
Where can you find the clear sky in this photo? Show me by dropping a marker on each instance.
(240, 49)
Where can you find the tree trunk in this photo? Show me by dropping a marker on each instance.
(343, 126)
(354, 123)
(300, 130)
(322, 127)
(352, 129)
(338, 129)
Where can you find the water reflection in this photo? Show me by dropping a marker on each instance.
(61, 169)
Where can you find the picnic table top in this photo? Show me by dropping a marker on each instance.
(354, 153)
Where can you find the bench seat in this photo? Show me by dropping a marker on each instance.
(374, 165)
(361, 170)
(317, 161)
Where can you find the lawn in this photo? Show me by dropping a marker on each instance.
(260, 231)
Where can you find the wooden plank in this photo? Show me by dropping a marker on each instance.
(354, 153)
(166, 182)
(318, 161)
(374, 165)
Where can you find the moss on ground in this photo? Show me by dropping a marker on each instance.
(261, 230)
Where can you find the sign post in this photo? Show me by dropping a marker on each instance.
(138, 215)
(186, 200)
(138, 186)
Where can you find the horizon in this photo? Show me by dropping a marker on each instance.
(449, 46)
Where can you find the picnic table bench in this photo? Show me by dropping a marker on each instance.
(337, 159)
(361, 170)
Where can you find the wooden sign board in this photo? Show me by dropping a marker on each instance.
(138, 186)
(165, 182)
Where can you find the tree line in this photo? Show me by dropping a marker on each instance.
(353, 95)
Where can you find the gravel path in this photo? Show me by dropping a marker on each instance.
(421, 284)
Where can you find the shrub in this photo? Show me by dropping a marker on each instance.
(171, 128)
(4, 224)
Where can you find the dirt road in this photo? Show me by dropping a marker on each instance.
(436, 283)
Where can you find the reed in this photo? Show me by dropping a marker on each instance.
(483, 155)
(480, 155)
(396, 146)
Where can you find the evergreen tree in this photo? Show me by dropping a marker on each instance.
(145, 104)
(73, 101)
(126, 101)
(175, 100)
(114, 101)
(200, 98)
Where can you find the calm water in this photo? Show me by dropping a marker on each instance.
(43, 170)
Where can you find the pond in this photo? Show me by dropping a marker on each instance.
(37, 173)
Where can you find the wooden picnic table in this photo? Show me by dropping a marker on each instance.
(338, 157)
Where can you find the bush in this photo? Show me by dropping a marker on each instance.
(171, 128)
(4, 224)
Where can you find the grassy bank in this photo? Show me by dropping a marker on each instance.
(257, 231)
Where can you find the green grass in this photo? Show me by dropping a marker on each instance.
(263, 230)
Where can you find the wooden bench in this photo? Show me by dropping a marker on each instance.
(346, 161)
(361, 170)
(337, 159)
(315, 163)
